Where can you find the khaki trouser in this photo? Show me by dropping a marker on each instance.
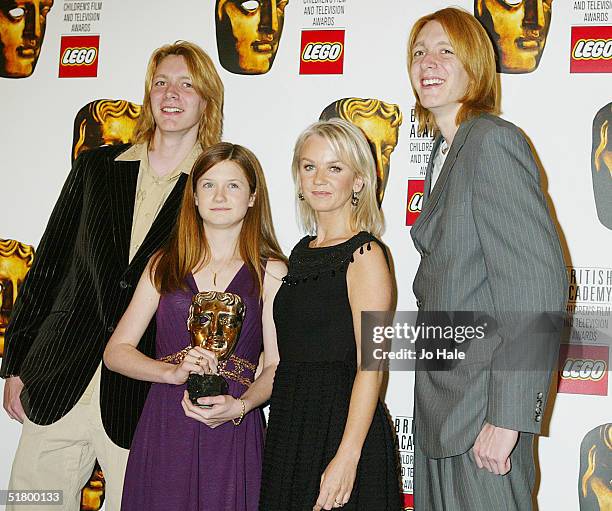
(61, 456)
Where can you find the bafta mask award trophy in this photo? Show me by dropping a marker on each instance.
(215, 320)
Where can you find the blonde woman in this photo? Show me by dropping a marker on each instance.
(329, 443)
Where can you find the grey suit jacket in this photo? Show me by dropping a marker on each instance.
(487, 243)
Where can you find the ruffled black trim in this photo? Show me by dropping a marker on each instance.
(311, 263)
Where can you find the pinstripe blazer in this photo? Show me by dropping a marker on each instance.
(77, 290)
(487, 243)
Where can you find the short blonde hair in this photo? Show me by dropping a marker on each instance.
(206, 82)
(474, 50)
(352, 148)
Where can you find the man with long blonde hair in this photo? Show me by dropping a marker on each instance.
(118, 206)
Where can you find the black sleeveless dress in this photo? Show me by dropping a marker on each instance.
(312, 388)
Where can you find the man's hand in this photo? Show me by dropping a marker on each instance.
(12, 403)
(493, 447)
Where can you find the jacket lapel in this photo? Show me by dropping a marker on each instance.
(164, 222)
(429, 171)
(431, 198)
(122, 180)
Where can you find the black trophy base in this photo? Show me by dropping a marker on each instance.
(205, 385)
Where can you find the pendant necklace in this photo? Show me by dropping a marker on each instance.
(214, 272)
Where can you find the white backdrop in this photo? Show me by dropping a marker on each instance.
(266, 112)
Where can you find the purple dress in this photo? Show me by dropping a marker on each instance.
(180, 464)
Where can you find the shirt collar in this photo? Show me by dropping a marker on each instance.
(138, 152)
(135, 152)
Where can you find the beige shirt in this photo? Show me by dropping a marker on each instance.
(151, 190)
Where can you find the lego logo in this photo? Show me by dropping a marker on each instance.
(579, 369)
(322, 52)
(416, 202)
(591, 49)
(79, 56)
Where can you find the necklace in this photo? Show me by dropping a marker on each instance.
(221, 267)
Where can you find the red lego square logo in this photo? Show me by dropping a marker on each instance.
(79, 56)
(322, 52)
(583, 369)
(591, 50)
(408, 504)
(414, 201)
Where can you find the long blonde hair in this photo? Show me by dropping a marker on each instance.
(206, 82)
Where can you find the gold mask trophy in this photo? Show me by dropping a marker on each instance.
(215, 320)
